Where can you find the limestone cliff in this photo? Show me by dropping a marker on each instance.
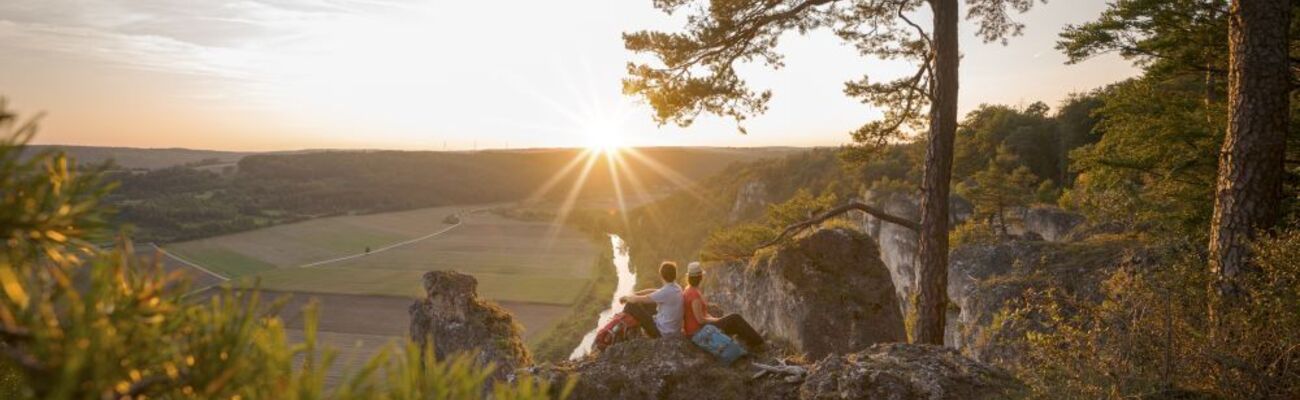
(457, 321)
(984, 279)
(824, 293)
(898, 246)
(750, 201)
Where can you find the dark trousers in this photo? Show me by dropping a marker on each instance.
(645, 316)
(735, 325)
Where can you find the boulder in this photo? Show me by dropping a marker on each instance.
(826, 292)
(905, 372)
(457, 321)
(668, 368)
(1051, 223)
(676, 369)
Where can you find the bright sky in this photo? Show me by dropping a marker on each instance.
(413, 74)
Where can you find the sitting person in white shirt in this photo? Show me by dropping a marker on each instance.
(658, 311)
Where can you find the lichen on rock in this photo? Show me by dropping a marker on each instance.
(905, 372)
(826, 292)
(667, 368)
(675, 369)
(452, 316)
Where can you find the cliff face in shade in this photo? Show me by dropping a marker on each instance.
(826, 292)
(457, 321)
(897, 245)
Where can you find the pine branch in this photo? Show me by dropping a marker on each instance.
(852, 205)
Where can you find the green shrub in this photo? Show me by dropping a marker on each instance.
(973, 232)
(80, 322)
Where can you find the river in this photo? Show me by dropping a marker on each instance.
(626, 282)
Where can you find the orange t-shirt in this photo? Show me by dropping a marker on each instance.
(689, 323)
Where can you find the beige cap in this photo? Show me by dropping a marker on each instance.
(694, 269)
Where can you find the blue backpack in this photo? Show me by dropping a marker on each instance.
(712, 340)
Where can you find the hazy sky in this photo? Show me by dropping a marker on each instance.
(412, 74)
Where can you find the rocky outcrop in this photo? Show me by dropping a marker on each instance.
(1051, 223)
(457, 321)
(984, 279)
(898, 245)
(671, 368)
(749, 201)
(824, 293)
(904, 371)
(676, 369)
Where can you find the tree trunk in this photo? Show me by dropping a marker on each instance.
(1248, 193)
(932, 280)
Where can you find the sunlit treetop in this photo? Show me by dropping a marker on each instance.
(1163, 36)
(695, 69)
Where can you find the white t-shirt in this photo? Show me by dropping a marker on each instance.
(669, 317)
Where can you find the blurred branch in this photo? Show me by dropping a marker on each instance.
(138, 388)
(14, 333)
(22, 359)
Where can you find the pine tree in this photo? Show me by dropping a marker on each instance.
(1248, 194)
(1003, 185)
(696, 74)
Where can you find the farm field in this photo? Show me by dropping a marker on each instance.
(514, 261)
(291, 245)
(150, 254)
(533, 269)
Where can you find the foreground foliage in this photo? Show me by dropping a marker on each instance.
(80, 322)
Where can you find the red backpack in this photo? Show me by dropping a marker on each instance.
(618, 329)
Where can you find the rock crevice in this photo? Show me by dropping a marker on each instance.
(824, 293)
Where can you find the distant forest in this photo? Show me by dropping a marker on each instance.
(201, 199)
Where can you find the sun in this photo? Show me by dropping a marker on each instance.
(605, 144)
(604, 137)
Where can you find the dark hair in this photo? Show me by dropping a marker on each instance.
(694, 280)
(668, 271)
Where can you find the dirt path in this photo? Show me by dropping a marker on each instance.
(203, 284)
(459, 222)
(189, 263)
(201, 278)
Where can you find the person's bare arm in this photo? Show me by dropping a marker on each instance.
(636, 298)
(644, 292)
(701, 315)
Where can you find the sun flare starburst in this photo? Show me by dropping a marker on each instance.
(603, 136)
